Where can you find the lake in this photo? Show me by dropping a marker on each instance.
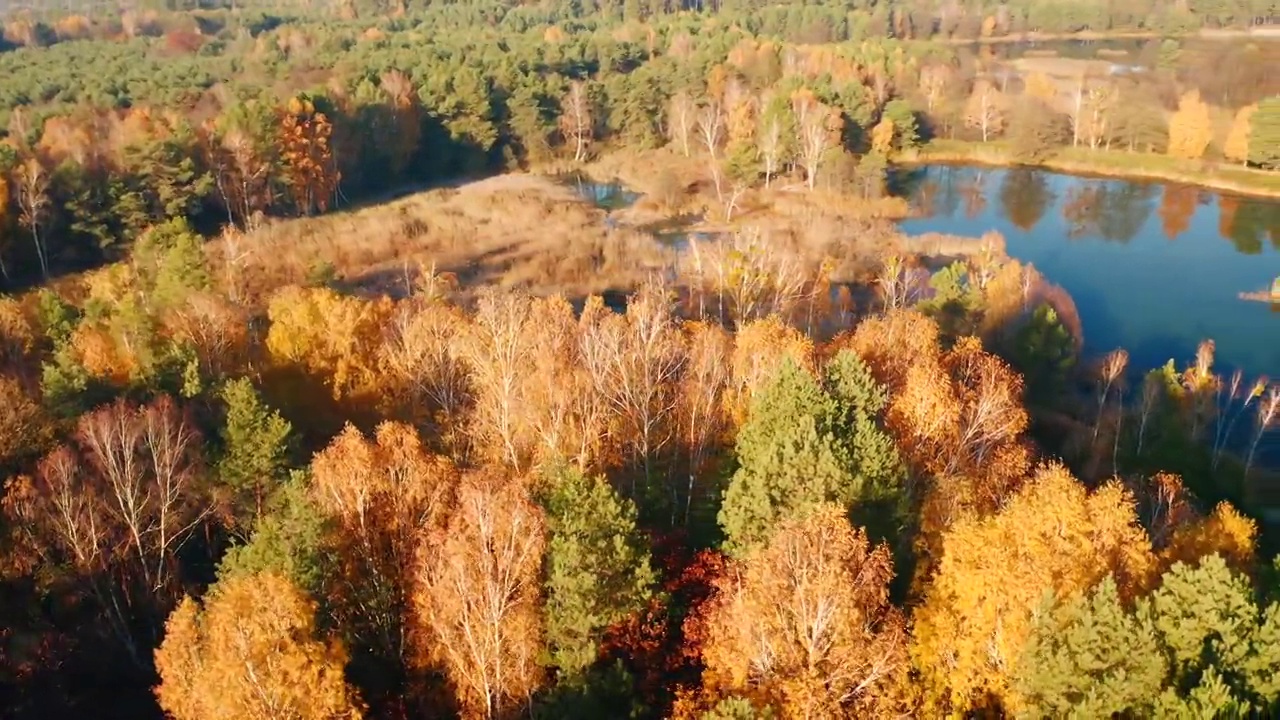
(1153, 268)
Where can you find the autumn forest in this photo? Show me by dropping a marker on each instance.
(324, 395)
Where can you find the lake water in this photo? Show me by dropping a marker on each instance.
(1153, 268)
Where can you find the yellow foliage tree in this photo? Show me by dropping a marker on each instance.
(1224, 531)
(333, 337)
(806, 621)
(1053, 538)
(882, 137)
(1190, 128)
(251, 652)
(1236, 147)
(1041, 87)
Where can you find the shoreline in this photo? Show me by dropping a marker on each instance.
(1105, 164)
(1256, 32)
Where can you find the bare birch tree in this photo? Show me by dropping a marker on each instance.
(634, 360)
(711, 133)
(498, 351)
(576, 121)
(682, 114)
(32, 183)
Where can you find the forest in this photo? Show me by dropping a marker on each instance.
(810, 470)
(228, 119)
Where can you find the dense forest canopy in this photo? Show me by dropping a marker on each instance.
(804, 470)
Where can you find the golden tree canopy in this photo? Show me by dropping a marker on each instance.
(251, 652)
(1054, 538)
(806, 620)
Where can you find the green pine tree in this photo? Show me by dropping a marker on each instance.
(1224, 650)
(738, 708)
(596, 567)
(171, 263)
(1089, 658)
(807, 442)
(1264, 134)
(288, 538)
(255, 450)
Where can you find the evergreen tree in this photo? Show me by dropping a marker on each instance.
(1044, 351)
(807, 442)
(1224, 651)
(288, 539)
(596, 568)
(906, 130)
(171, 263)
(1088, 657)
(1264, 135)
(255, 449)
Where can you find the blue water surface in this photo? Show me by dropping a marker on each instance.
(1153, 268)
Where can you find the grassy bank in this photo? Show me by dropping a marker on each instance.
(1108, 163)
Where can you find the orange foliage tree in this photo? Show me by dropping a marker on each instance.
(479, 596)
(634, 360)
(1053, 537)
(386, 494)
(424, 378)
(957, 415)
(310, 170)
(251, 651)
(806, 621)
(570, 417)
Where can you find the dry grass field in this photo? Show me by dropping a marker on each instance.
(511, 231)
(531, 232)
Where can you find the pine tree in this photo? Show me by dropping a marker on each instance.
(596, 567)
(254, 456)
(806, 442)
(288, 539)
(1089, 657)
(1221, 645)
(1264, 136)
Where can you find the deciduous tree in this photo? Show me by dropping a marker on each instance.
(387, 494)
(577, 121)
(682, 121)
(1052, 537)
(251, 650)
(634, 361)
(304, 141)
(479, 597)
(1190, 128)
(986, 109)
(806, 620)
(117, 506)
(1236, 147)
(31, 180)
